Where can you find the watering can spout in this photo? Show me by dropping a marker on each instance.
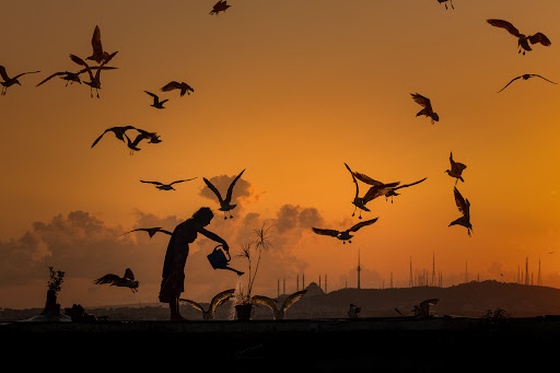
(219, 259)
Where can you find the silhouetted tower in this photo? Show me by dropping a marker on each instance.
(433, 282)
(410, 278)
(320, 282)
(358, 269)
(278, 288)
(303, 281)
(539, 279)
(297, 283)
(527, 271)
(326, 283)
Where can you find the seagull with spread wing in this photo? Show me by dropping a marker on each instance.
(10, 81)
(392, 191)
(526, 77)
(225, 203)
(217, 300)
(456, 169)
(523, 41)
(358, 201)
(151, 231)
(464, 207)
(157, 103)
(119, 132)
(94, 79)
(166, 186)
(98, 54)
(181, 86)
(427, 109)
(112, 279)
(345, 235)
(278, 311)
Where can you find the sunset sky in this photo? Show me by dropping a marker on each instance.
(289, 91)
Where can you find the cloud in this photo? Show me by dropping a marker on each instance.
(85, 248)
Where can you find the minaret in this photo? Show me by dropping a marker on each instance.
(320, 282)
(410, 278)
(358, 269)
(326, 283)
(433, 269)
(539, 279)
(297, 283)
(526, 270)
(284, 285)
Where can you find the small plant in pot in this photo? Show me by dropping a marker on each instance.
(252, 251)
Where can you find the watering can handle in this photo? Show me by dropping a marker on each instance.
(228, 256)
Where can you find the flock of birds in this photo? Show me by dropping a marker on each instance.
(99, 61)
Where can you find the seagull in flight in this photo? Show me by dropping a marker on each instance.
(344, 235)
(523, 41)
(217, 300)
(151, 231)
(98, 55)
(427, 109)
(127, 280)
(164, 186)
(10, 81)
(152, 137)
(464, 207)
(525, 77)
(358, 201)
(95, 80)
(157, 103)
(72, 77)
(456, 169)
(119, 132)
(182, 87)
(220, 6)
(392, 191)
(225, 203)
(279, 311)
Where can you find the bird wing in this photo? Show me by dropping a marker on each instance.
(80, 61)
(422, 100)
(156, 98)
(505, 25)
(411, 184)
(128, 274)
(193, 304)
(171, 86)
(230, 188)
(99, 138)
(362, 224)
(462, 204)
(220, 298)
(151, 182)
(356, 195)
(27, 72)
(96, 41)
(373, 192)
(182, 180)
(263, 300)
(52, 76)
(213, 189)
(293, 298)
(326, 232)
(511, 81)
(109, 278)
(366, 179)
(542, 77)
(3, 73)
(541, 38)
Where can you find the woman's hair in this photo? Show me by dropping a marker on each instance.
(203, 213)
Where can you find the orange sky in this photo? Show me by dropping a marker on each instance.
(289, 91)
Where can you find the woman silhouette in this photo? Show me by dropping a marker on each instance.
(173, 274)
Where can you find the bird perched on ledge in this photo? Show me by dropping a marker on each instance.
(278, 311)
(217, 300)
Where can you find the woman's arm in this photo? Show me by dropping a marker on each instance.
(213, 236)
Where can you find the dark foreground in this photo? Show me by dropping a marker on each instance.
(430, 344)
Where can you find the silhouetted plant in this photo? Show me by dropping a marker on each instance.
(56, 278)
(249, 250)
(497, 314)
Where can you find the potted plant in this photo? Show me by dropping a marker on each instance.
(252, 251)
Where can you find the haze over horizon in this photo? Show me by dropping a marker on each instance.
(290, 92)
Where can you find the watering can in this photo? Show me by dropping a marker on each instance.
(219, 259)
